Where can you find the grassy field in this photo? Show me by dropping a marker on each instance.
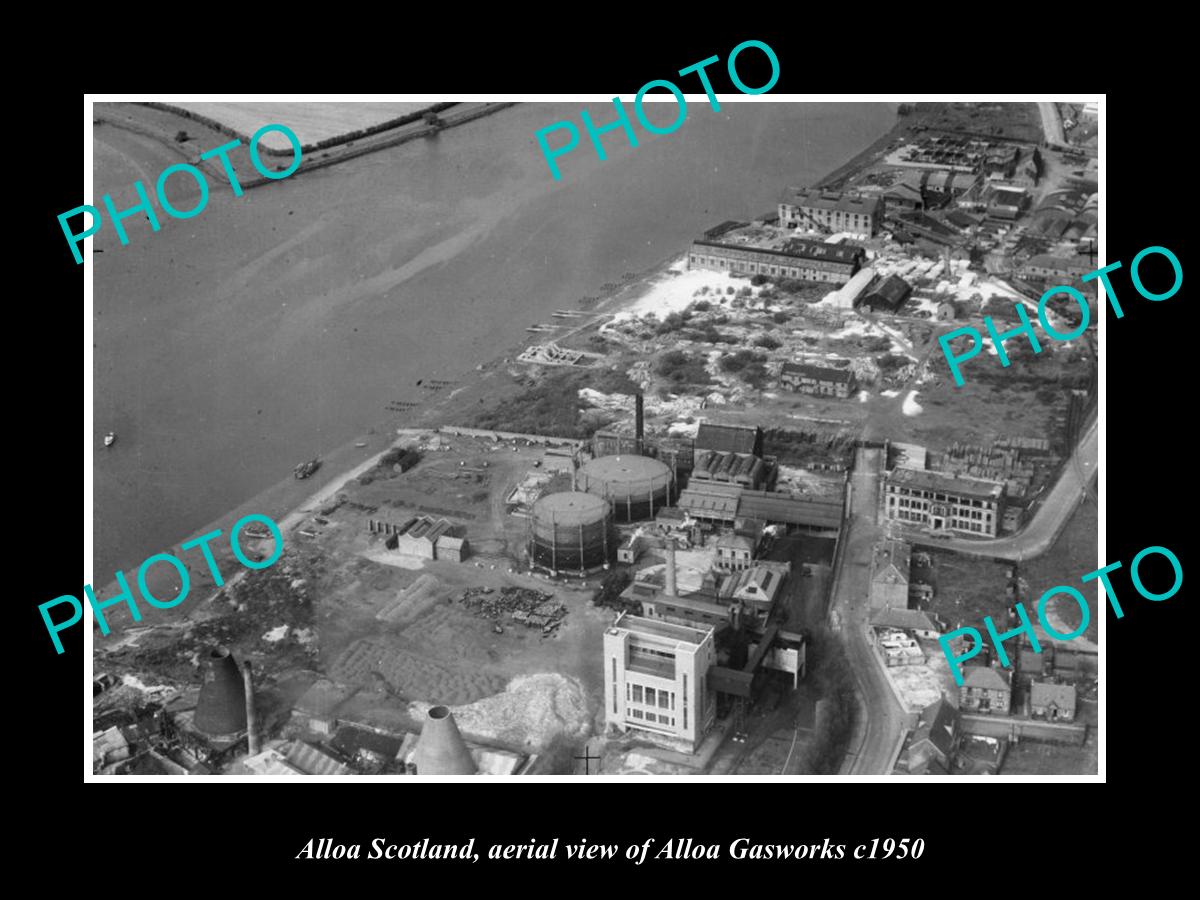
(312, 122)
(1034, 758)
(1073, 555)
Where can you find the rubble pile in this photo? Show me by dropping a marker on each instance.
(531, 608)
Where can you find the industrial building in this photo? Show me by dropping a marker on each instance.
(812, 209)
(886, 295)
(221, 707)
(656, 676)
(572, 531)
(726, 503)
(636, 486)
(739, 247)
(820, 381)
(441, 749)
(940, 501)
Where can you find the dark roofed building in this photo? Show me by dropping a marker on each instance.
(729, 439)
(823, 381)
(887, 295)
(761, 249)
(1052, 701)
(934, 740)
(905, 196)
(985, 689)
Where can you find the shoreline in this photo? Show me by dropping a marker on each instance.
(280, 500)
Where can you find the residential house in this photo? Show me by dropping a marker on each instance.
(1049, 700)
(818, 380)
(886, 295)
(889, 576)
(986, 689)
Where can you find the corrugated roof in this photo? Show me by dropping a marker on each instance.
(314, 761)
(814, 198)
(782, 508)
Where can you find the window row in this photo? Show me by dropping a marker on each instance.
(650, 717)
(649, 696)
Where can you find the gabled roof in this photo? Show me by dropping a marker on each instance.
(905, 191)
(938, 725)
(1047, 693)
(908, 619)
(314, 761)
(820, 373)
(985, 678)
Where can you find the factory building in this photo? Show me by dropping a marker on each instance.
(742, 248)
(636, 486)
(656, 678)
(572, 531)
(886, 295)
(940, 501)
(811, 209)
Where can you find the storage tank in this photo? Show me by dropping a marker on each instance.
(572, 531)
(636, 486)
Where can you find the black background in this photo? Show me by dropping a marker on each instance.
(997, 836)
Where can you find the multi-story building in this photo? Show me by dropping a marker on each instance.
(955, 502)
(811, 209)
(822, 381)
(985, 689)
(656, 678)
(742, 248)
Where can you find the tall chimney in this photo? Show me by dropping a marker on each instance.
(251, 717)
(670, 589)
(640, 420)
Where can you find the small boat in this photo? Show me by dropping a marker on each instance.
(304, 469)
(110, 439)
(361, 444)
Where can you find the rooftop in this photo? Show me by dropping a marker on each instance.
(820, 373)
(962, 485)
(985, 678)
(910, 619)
(655, 628)
(782, 241)
(814, 198)
(728, 438)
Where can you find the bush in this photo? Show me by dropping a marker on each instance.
(701, 306)
(874, 343)
(181, 136)
(730, 290)
(781, 317)
(890, 362)
(683, 368)
(767, 342)
(758, 280)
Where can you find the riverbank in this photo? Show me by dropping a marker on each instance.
(441, 273)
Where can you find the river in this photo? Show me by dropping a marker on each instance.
(276, 326)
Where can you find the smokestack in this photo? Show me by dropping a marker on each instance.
(670, 589)
(251, 717)
(221, 709)
(640, 420)
(441, 749)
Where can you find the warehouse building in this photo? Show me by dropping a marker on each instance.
(759, 249)
(812, 209)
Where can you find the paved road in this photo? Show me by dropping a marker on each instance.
(1052, 127)
(1039, 535)
(884, 717)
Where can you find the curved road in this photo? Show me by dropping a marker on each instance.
(1038, 536)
